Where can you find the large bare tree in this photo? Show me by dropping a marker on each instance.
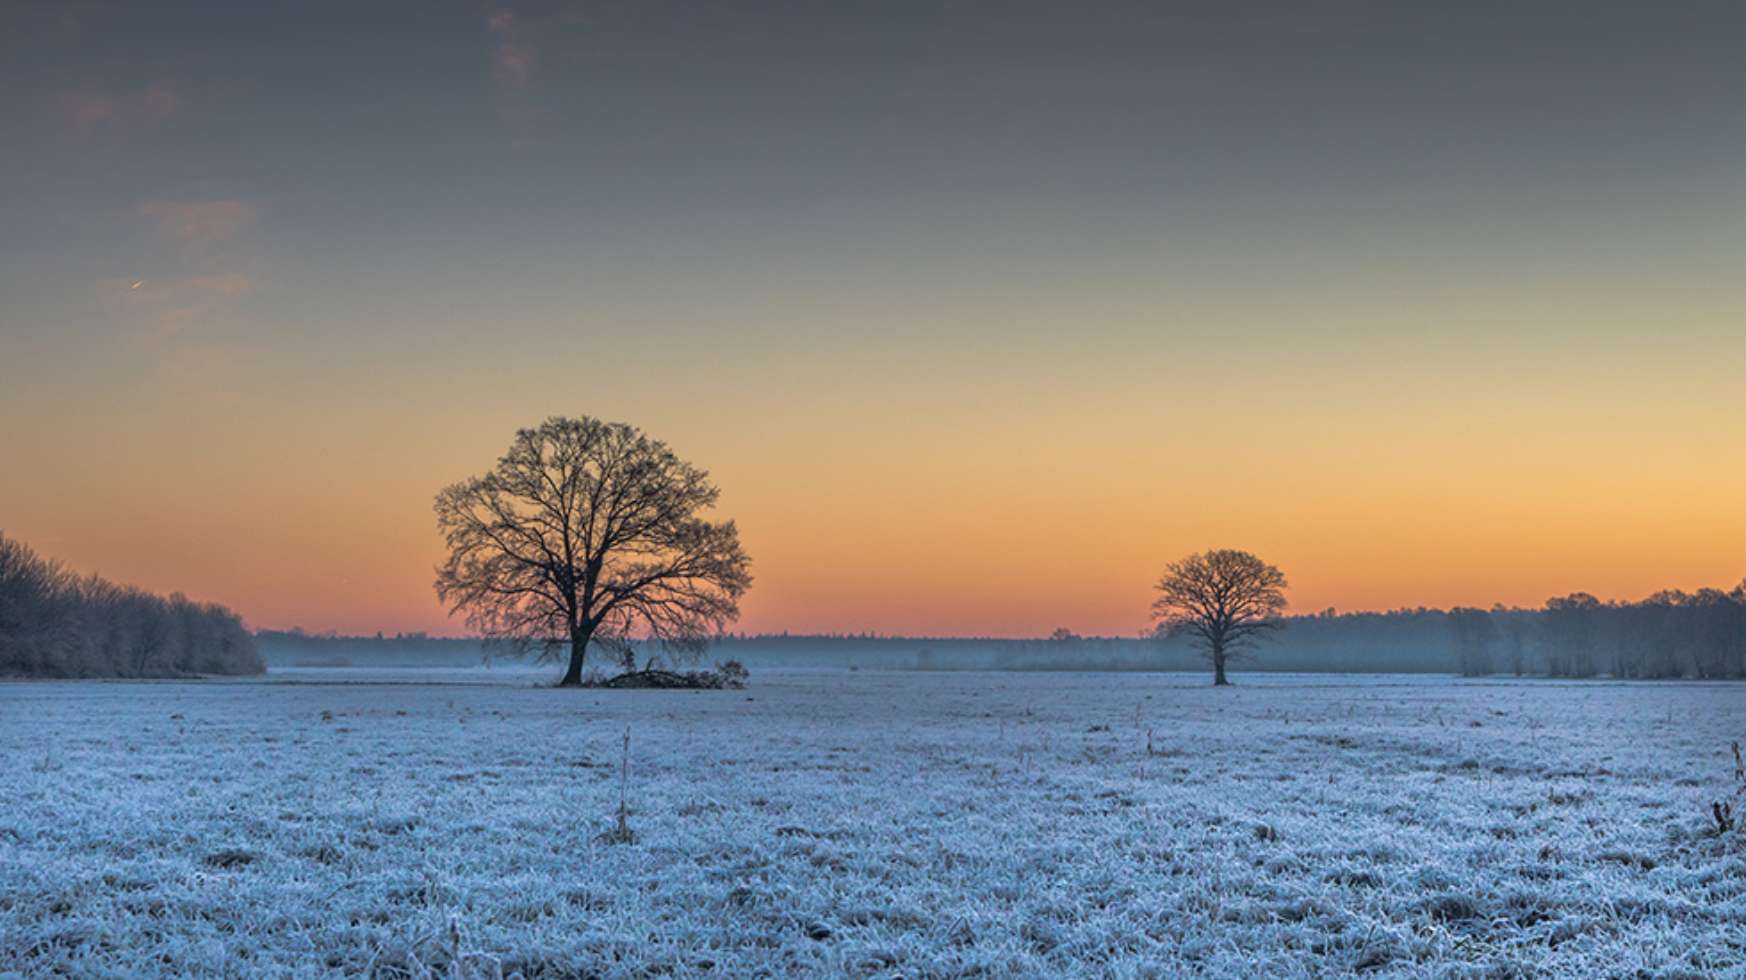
(1224, 599)
(588, 532)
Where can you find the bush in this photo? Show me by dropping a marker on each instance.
(730, 675)
(733, 674)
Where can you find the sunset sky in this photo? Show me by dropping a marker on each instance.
(979, 313)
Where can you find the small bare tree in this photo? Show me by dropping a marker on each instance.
(588, 532)
(1226, 600)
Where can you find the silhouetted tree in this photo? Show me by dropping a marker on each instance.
(31, 610)
(1571, 625)
(1650, 636)
(1715, 632)
(588, 532)
(1474, 634)
(1737, 661)
(1225, 599)
(1514, 626)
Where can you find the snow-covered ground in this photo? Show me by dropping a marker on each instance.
(838, 823)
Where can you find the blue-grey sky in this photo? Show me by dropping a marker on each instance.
(325, 257)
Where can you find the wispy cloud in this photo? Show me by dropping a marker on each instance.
(513, 57)
(168, 309)
(98, 109)
(517, 52)
(200, 222)
(190, 329)
(188, 317)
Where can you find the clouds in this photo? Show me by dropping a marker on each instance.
(167, 309)
(189, 313)
(90, 73)
(518, 40)
(200, 223)
(97, 109)
(513, 56)
(214, 272)
(190, 328)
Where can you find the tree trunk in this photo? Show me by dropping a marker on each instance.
(578, 652)
(1218, 659)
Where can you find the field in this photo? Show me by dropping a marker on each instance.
(871, 823)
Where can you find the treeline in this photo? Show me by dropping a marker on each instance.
(1400, 641)
(1699, 635)
(54, 623)
(296, 647)
(1671, 634)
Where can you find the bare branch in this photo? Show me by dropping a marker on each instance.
(588, 532)
(1226, 600)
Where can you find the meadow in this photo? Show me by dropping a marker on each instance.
(870, 823)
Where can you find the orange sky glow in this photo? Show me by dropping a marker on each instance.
(876, 494)
(977, 321)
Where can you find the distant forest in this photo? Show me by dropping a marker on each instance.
(54, 623)
(1699, 635)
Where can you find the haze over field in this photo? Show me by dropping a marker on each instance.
(976, 313)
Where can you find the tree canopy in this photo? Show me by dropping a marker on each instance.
(588, 532)
(1224, 599)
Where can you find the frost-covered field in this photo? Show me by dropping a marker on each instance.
(871, 823)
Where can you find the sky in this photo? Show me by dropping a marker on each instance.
(978, 313)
